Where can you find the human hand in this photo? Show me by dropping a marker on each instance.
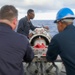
(46, 27)
(30, 35)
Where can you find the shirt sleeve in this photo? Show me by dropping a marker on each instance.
(20, 28)
(29, 55)
(32, 27)
(53, 51)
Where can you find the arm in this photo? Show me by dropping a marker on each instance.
(53, 51)
(32, 27)
(29, 55)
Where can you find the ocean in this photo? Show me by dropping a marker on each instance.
(50, 23)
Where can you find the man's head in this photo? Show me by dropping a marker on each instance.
(62, 24)
(65, 17)
(30, 13)
(9, 15)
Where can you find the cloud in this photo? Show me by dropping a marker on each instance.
(41, 7)
(45, 5)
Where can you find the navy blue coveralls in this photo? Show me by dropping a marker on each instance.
(14, 48)
(64, 44)
(24, 26)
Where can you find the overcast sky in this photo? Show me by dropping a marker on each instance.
(44, 9)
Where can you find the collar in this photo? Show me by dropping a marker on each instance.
(69, 26)
(27, 19)
(5, 25)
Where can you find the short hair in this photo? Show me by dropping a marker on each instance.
(67, 20)
(30, 10)
(8, 12)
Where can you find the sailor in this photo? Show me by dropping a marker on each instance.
(14, 47)
(63, 43)
(25, 24)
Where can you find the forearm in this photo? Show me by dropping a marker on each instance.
(29, 55)
(53, 51)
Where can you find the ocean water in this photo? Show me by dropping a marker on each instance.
(50, 23)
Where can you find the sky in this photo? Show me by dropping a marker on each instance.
(44, 9)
